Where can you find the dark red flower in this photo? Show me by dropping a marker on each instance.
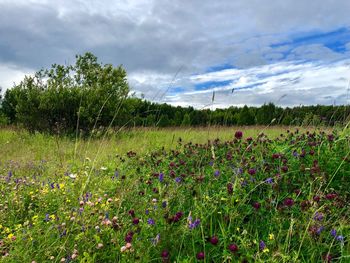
(331, 196)
(238, 135)
(233, 248)
(131, 212)
(256, 205)
(288, 202)
(229, 188)
(200, 255)
(165, 254)
(214, 240)
(135, 221)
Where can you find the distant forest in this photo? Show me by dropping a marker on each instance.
(90, 95)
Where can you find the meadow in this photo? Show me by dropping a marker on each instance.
(233, 194)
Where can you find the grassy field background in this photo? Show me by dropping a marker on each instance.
(20, 145)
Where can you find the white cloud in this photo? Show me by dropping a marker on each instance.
(302, 83)
(11, 74)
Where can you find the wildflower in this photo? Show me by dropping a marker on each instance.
(200, 255)
(194, 224)
(164, 204)
(319, 230)
(216, 173)
(214, 240)
(288, 202)
(161, 177)
(128, 237)
(252, 171)
(151, 221)
(333, 232)
(155, 240)
(165, 254)
(256, 205)
(331, 196)
(178, 179)
(99, 245)
(131, 212)
(233, 248)
(229, 188)
(262, 245)
(340, 238)
(269, 180)
(238, 135)
(271, 236)
(72, 175)
(318, 216)
(135, 221)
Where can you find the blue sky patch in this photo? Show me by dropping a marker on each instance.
(211, 84)
(335, 40)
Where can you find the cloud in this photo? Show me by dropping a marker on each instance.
(285, 84)
(156, 40)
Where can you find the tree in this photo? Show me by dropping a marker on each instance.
(186, 120)
(88, 93)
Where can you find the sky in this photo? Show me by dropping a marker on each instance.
(249, 52)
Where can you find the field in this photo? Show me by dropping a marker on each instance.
(239, 194)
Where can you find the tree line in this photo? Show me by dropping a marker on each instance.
(91, 95)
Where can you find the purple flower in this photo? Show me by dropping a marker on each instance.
(262, 245)
(333, 232)
(164, 204)
(47, 218)
(216, 173)
(269, 180)
(178, 179)
(161, 177)
(319, 230)
(340, 238)
(318, 216)
(155, 240)
(194, 224)
(151, 221)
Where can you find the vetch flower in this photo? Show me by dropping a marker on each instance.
(151, 221)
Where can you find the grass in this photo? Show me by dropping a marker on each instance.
(143, 195)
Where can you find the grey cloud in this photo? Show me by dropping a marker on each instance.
(160, 37)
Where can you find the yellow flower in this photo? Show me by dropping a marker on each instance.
(53, 217)
(61, 186)
(10, 236)
(271, 236)
(266, 250)
(35, 217)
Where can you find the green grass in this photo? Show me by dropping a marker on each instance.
(62, 197)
